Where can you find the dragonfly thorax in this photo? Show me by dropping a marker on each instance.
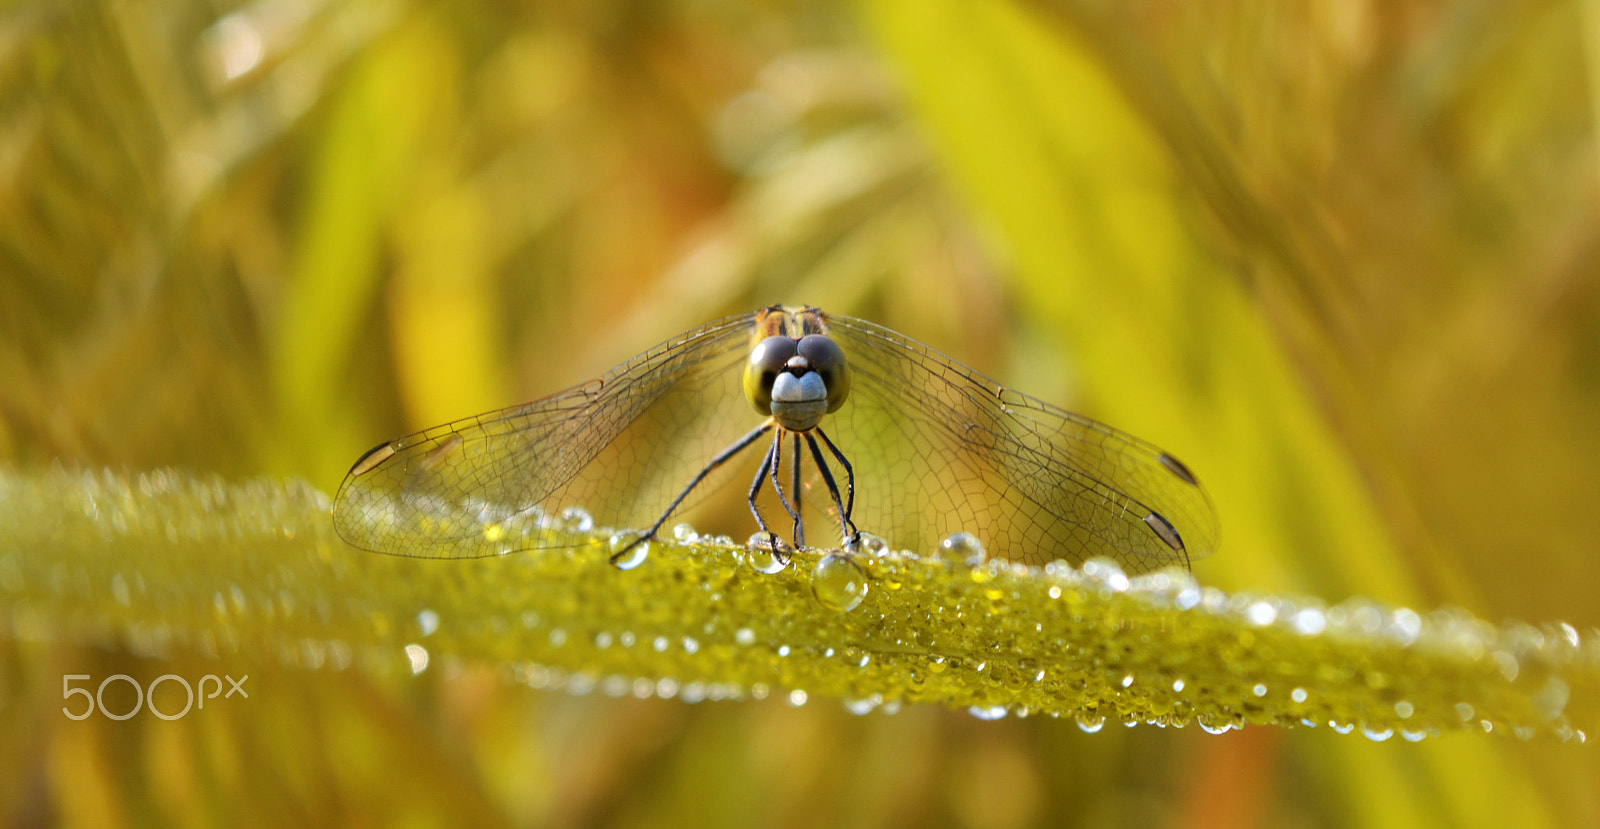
(796, 381)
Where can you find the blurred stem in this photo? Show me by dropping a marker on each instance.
(163, 561)
(1591, 53)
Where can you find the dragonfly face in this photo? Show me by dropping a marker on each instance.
(797, 381)
(894, 436)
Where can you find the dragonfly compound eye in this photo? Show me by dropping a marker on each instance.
(767, 361)
(827, 360)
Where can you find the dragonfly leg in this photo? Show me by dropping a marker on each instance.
(777, 462)
(799, 525)
(755, 489)
(852, 533)
(722, 457)
(846, 526)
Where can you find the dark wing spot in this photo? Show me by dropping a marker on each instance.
(370, 461)
(1176, 467)
(1165, 531)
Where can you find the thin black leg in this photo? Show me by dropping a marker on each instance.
(768, 466)
(845, 525)
(799, 512)
(850, 485)
(722, 457)
(777, 461)
(755, 489)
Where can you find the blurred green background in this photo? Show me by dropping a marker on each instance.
(1341, 258)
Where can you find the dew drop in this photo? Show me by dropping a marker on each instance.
(1261, 614)
(1405, 626)
(744, 636)
(428, 622)
(1551, 698)
(1310, 622)
(759, 553)
(417, 655)
(1375, 734)
(1209, 725)
(797, 697)
(988, 712)
(1404, 710)
(1298, 695)
(684, 534)
(1259, 690)
(631, 556)
(1507, 664)
(1090, 725)
(873, 545)
(962, 549)
(577, 519)
(865, 705)
(839, 583)
(1107, 573)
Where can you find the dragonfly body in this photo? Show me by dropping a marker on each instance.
(897, 439)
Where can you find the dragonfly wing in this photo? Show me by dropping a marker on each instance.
(939, 448)
(620, 447)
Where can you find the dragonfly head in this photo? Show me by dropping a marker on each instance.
(797, 381)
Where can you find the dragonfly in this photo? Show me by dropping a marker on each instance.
(866, 430)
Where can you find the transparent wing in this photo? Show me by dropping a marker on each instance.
(620, 447)
(938, 448)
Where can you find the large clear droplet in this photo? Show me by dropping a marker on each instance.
(839, 583)
(872, 545)
(634, 556)
(962, 549)
(759, 552)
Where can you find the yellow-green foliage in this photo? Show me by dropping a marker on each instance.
(1339, 257)
(162, 560)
